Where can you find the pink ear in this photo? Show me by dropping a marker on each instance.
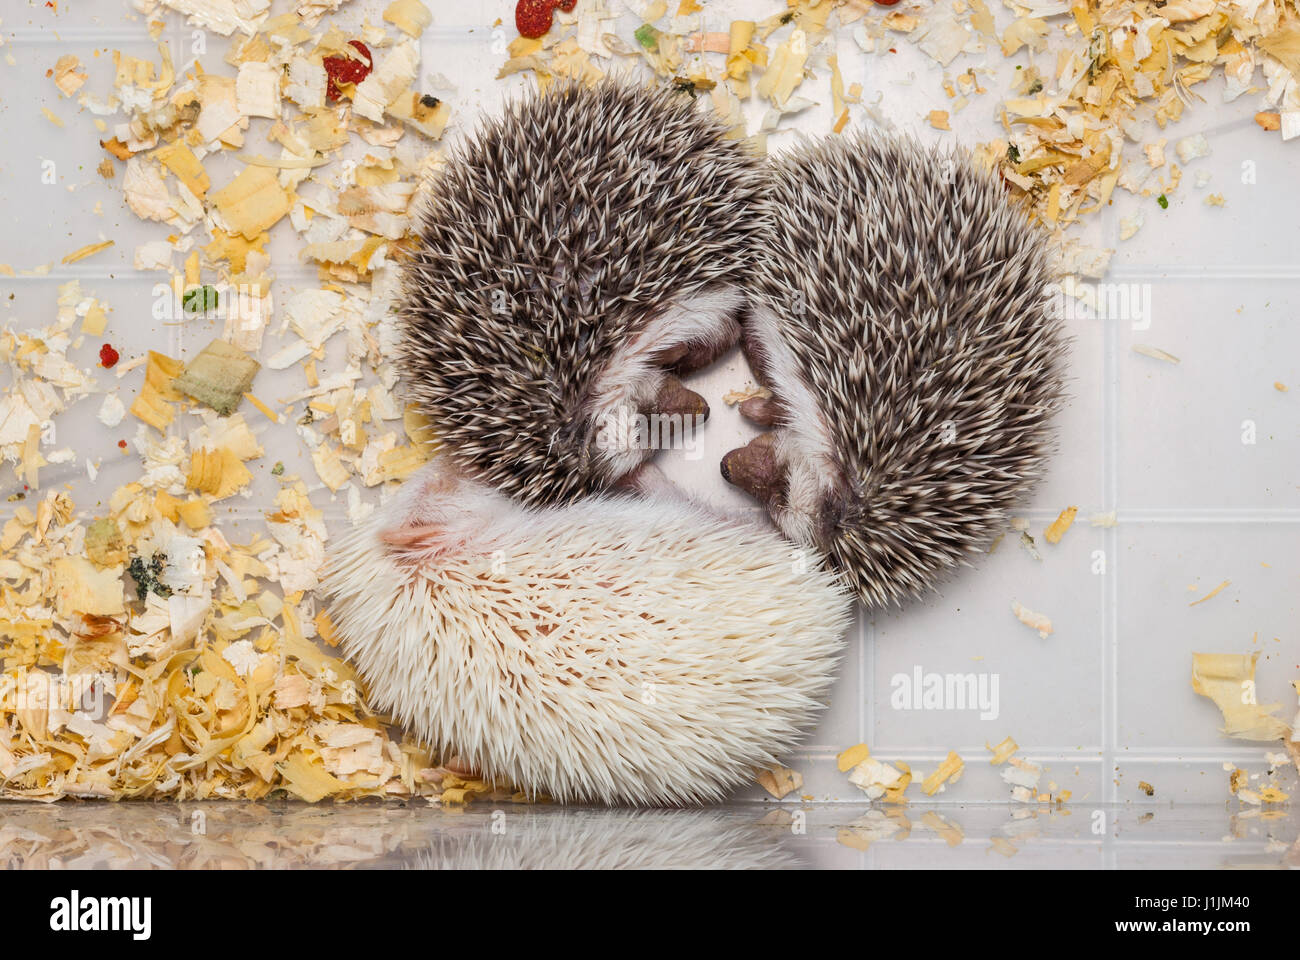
(420, 541)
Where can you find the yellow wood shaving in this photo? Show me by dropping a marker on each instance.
(1003, 751)
(1213, 593)
(780, 781)
(1061, 524)
(949, 770)
(850, 758)
(1229, 680)
(89, 250)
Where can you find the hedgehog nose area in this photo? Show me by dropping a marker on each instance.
(755, 468)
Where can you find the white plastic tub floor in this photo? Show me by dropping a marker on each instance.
(1104, 702)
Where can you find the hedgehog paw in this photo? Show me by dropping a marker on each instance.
(762, 411)
(758, 469)
(639, 402)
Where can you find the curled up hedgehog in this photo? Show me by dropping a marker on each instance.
(503, 607)
(610, 650)
(903, 323)
(573, 257)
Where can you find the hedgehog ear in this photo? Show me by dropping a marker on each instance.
(421, 542)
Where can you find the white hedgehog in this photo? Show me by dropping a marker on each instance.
(903, 322)
(572, 256)
(611, 650)
(562, 838)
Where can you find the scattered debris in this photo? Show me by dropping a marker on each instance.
(1213, 593)
(1003, 751)
(1155, 353)
(1229, 680)
(194, 656)
(878, 779)
(1029, 618)
(219, 377)
(780, 781)
(949, 771)
(850, 758)
(733, 397)
(1061, 524)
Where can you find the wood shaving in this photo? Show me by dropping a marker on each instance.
(850, 758)
(68, 74)
(89, 250)
(219, 690)
(1003, 751)
(780, 781)
(1062, 523)
(1213, 593)
(1029, 618)
(878, 779)
(1155, 353)
(733, 397)
(949, 771)
(200, 647)
(1229, 680)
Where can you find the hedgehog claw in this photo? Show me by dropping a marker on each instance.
(756, 469)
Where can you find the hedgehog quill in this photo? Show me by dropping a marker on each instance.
(575, 256)
(615, 650)
(904, 322)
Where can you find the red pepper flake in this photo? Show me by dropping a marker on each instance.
(347, 70)
(108, 357)
(568, 5)
(533, 17)
(122, 444)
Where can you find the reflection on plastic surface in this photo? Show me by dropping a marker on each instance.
(741, 836)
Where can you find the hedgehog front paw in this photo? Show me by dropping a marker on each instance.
(758, 468)
(675, 399)
(762, 411)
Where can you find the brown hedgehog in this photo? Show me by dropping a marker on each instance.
(903, 321)
(574, 255)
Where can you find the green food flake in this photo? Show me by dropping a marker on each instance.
(199, 300)
(103, 544)
(647, 36)
(1013, 153)
(1035, 87)
(219, 376)
(1163, 201)
(146, 576)
(278, 468)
